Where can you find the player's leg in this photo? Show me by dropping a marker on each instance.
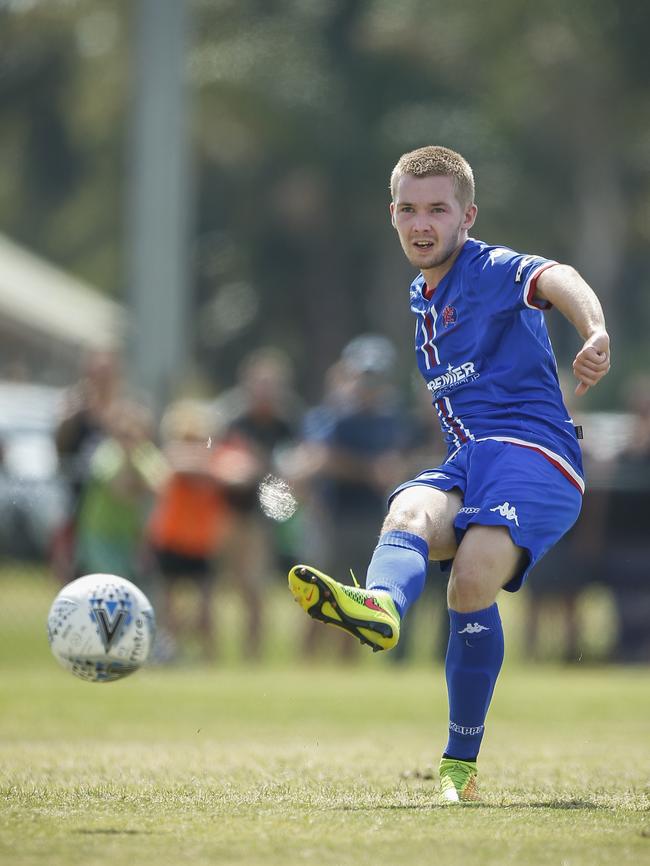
(486, 560)
(517, 506)
(419, 525)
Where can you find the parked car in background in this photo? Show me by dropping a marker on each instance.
(32, 494)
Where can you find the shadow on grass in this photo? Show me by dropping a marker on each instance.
(112, 831)
(562, 805)
(565, 804)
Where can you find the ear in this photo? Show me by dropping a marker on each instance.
(392, 214)
(470, 216)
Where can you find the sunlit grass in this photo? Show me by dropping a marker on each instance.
(292, 762)
(277, 766)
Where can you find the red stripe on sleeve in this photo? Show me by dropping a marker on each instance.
(532, 288)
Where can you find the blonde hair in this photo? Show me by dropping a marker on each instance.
(188, 419)
(432, 161)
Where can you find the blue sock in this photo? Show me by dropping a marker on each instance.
(474, 658)
(399, 565)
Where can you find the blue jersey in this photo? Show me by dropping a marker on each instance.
(483, 348)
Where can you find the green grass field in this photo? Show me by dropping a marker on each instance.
(288, 764)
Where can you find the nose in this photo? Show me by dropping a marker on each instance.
(422, 222)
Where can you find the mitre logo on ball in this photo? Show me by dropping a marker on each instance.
(110, 615)
(101, 627)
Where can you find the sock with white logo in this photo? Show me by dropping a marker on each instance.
(474, 658)
(399, 566)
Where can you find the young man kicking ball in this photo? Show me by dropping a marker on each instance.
(512, 483)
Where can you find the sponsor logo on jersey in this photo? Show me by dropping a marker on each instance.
(453, 377)
(508, 511)
(469, 509)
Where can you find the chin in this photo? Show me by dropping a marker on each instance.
(424, 265)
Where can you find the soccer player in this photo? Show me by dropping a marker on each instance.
(512, 482)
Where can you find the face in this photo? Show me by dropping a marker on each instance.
(431, 223)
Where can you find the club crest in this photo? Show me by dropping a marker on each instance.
(449, 316)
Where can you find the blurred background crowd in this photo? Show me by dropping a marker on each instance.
(206, 367)
(224, 494)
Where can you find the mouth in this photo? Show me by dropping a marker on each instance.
(423, 245)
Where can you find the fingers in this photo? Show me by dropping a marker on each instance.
(591, 355)
(588, 377)
(589, 367)
(583, 368)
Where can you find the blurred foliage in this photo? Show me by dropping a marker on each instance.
(300, 108)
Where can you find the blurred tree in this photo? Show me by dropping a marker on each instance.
(301, 109)
(62, 108)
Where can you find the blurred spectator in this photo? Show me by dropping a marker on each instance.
(307, 461)
(555, 586)
(261, 415)
(125, 470)
(420, 445)
(263, 408)
(189, 523)
(425, 448)
(82, 426)
(354, 442)
(628, 522)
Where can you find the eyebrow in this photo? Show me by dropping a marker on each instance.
(429, 204)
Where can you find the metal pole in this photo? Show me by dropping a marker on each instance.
(158, 218)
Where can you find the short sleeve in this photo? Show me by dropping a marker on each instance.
(508, 280)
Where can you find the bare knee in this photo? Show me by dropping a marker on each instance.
(467, 591)
(406, 519)
(428, 513)
(487, 560)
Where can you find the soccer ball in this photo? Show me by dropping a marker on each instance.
(101, 627)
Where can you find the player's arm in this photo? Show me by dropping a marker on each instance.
(563, 286)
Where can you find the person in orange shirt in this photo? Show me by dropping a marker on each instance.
(190, 520)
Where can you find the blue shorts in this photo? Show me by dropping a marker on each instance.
(503, 484)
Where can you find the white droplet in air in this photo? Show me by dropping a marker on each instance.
(276, 498)
(208, 444)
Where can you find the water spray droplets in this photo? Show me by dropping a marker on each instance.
(276, 498)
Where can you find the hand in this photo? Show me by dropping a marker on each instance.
(592, 362)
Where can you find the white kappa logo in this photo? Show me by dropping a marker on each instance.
(523, 264)
(473, 628)
(508, 511)
(464, 730)
(497, 254)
